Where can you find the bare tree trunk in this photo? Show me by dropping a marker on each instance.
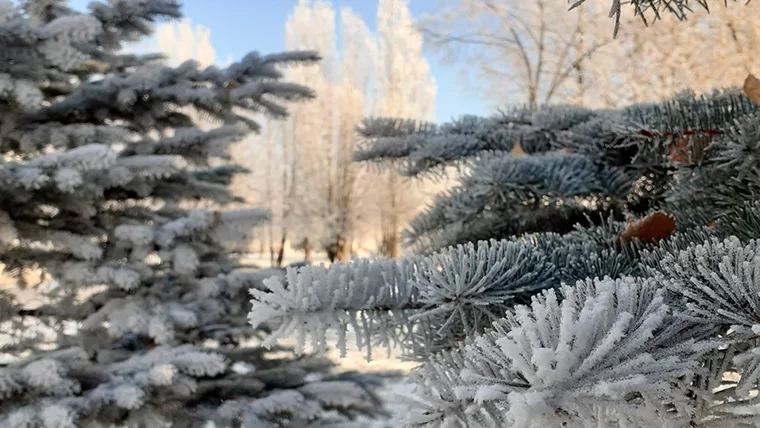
(391, 246)
(288, 188)
(338, 250)
(306, 250)
(579, 62)
(281, 254)
(271, 252)
(343, 249)
(269, 193)
(394, 242)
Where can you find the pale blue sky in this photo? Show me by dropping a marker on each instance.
(239, 26)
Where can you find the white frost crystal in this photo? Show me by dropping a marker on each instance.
(56, 416)
(162, 374)
(128, 396)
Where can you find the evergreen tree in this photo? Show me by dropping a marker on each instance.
(590, 268)
(101, 162)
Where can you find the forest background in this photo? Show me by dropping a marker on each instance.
(396, 58)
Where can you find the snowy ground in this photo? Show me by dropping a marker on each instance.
(394, 394)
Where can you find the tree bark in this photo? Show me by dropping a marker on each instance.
(306, 250)
(281, 254)
(338, 250)
(271, 252)
(390, 245)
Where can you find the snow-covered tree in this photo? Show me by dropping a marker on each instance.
(180, 41)
(605, 274)
(326, 197)
(144, 323)
(708, 50)
(533, 52)
(538, 53)
(404, 87)
(649, 11)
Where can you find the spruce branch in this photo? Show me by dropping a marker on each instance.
(603, 352)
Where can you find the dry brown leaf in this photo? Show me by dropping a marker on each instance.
(689, 149)
(752, 88)
(677, 151)
(650, 229)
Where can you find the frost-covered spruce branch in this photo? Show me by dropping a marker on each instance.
(520, 186)
(642, 158)
(715, 283)
(251, 84)
(610, 353)
(428, 303)
(81, 180)
(165, 385)
(59, 39)
(560, 218)
(428, 147)
(652, 125)
(191, 143)
(729, 178)
(180, 297)
(600, 353)
(425, 303)
(458, 290)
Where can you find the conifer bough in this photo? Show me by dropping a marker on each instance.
(603, 274)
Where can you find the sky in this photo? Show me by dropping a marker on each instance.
(240, 26)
